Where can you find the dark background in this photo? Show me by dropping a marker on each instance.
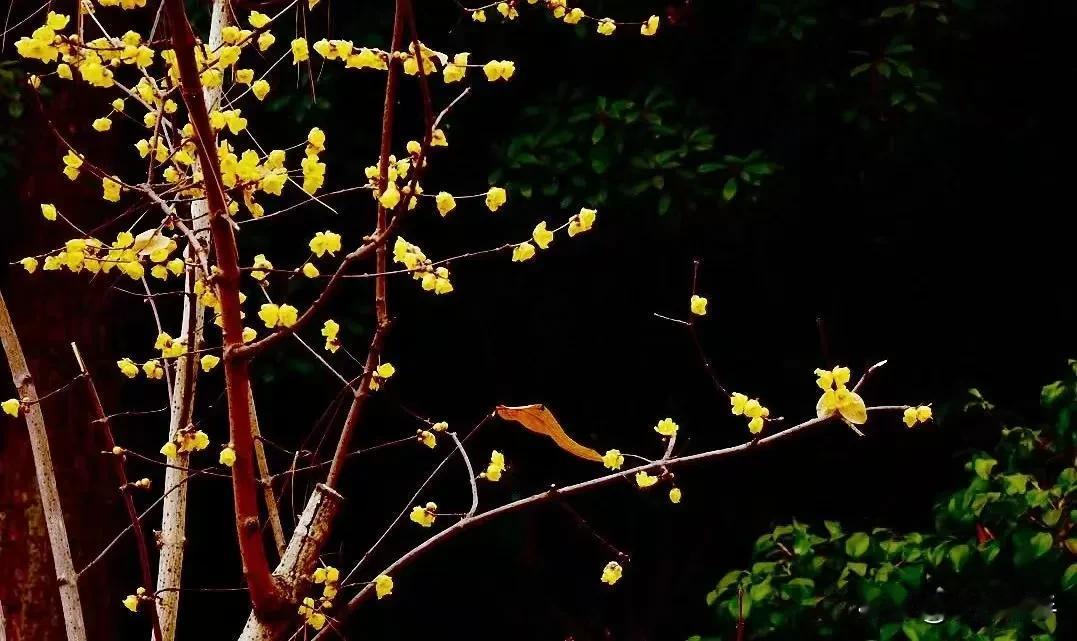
(936, 239)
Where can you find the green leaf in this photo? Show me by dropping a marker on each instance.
(857, 545)
(729, 579)
(710, 167)
(1069, 577)
(983, 466)
(959, 556)
(1015, 483)
(598, 133)
(860, 569)
(664, 203)
(729, 190)
(859, 69)
(834, 528)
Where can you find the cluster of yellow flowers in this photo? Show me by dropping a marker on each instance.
(913, 415)
(313, 611)
(837, 398)
(542, 237)
(187, 439)
(429, 437)
(128, 254)
(560, 10)
(741, 405)
(422, 268)
(274, 315)
(330, 330)
(381, 374)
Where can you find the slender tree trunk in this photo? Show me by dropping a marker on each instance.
(66, 577)
(174, 511)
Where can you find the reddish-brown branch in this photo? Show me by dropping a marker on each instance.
(381, 283)
(356, 409)
(120, 468)
(265, 594)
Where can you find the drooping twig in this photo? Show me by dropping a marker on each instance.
(536, 499)
(66, 577)
(125, 486)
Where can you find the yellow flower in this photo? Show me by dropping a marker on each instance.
(842, 401)
(102, 124)
(266, 40)
(29, 264)
(249, 334)
(260, 88)
(650, 27)
(208, 362)
(582, 221)
(737, 402)
(300, 51)
(131, 602)
(310, 271)
(386, 370)
(612, 573)
(445, 202)
(699, 305)
(573, 16)
(427, 438)
(11, 406)
(244, 76)
(495, 467)
(606, 27)
(542, 236)
(440, 426)
(495, 198)
(390, 197)
(666, 427)
(325, 242)
(383, 585)
(257, 19)
(478, 16)
(153, 370)
(613, 459)
(48, 210)
(523, 252)
(755, 425)
(270, 314)
(227, 456)
(675, 495)
(643, 479)
(424, 515)
(110, 189)
(169, 449)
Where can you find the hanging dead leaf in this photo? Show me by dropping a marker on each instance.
(540, 420)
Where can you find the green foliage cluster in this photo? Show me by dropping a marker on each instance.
(578, 147)
(1000, 565)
